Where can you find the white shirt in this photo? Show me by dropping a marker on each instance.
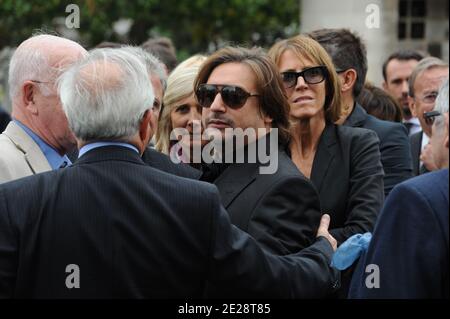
(425, 141)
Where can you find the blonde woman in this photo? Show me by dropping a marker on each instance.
(181, 110)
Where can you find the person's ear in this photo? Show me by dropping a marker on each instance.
(349, 79)
(144, 127)
(268, 120)
(447, 136)
(28, 96)
(412, 106)
(385, 86)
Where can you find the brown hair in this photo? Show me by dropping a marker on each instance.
(380, 104)
(164, 50)
(305, 47)
(272, 96)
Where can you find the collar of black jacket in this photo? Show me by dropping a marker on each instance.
(357, 117)
(110, 153)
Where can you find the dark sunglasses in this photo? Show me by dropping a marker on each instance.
(233, 96)
(312, 75)
(429, 117)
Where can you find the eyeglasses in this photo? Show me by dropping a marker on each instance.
(156, 106)
(429, 117)
(313, 75)
(429, 98)
(233, 96)
(41, 82)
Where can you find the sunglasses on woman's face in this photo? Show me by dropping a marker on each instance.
(429, 117)
(233, 96)
(313, 75)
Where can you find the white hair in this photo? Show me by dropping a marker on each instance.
(28, 64)
(153, 64)
(425, 64)
(441, 104)
(106, 94)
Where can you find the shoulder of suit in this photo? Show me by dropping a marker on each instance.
(30, 183)
(416, 137)
(286, 166)
(163, 162)
(355, 134)
(286, 172)
(171, 179)
(429, 181)
(384, 128)
(10, 155)
(432, 187)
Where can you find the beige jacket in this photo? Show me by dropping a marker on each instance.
(20, 156)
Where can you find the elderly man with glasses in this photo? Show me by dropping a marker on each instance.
(424, 85)
(38, 138)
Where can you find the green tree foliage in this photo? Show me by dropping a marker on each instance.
(193, 25)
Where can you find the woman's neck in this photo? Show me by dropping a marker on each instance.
(306, 134)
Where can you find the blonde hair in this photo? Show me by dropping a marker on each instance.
(180, 85)
(305, 47)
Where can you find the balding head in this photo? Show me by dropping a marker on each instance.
(41, 58)
(33, 70)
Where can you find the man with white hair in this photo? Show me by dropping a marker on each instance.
(38, 138)
(126, 229)
(158, 79)
(410, 242)
(424, 84)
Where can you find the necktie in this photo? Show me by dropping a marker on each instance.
(408, 126)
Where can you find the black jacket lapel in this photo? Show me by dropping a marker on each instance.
(325, 154)
(234, 180)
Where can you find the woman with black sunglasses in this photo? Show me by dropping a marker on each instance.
(342, 162)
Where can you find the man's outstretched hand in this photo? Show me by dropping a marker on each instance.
(323, 230)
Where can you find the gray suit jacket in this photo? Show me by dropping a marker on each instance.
(20, 156)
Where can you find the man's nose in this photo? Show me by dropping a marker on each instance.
(218, 105)
(405, 88)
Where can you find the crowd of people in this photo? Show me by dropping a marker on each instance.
(237, 174)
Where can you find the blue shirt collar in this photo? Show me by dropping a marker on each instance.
(54, 159)
(88, 147)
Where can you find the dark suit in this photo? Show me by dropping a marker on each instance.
(348, 175)
(415, 141)
(410, 243)
(281, 210)
(162, 162)
(4, 120)
(137, 232)
(394, 146)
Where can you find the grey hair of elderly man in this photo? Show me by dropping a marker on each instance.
(158, 77)
(440, 133)
(108, 96)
